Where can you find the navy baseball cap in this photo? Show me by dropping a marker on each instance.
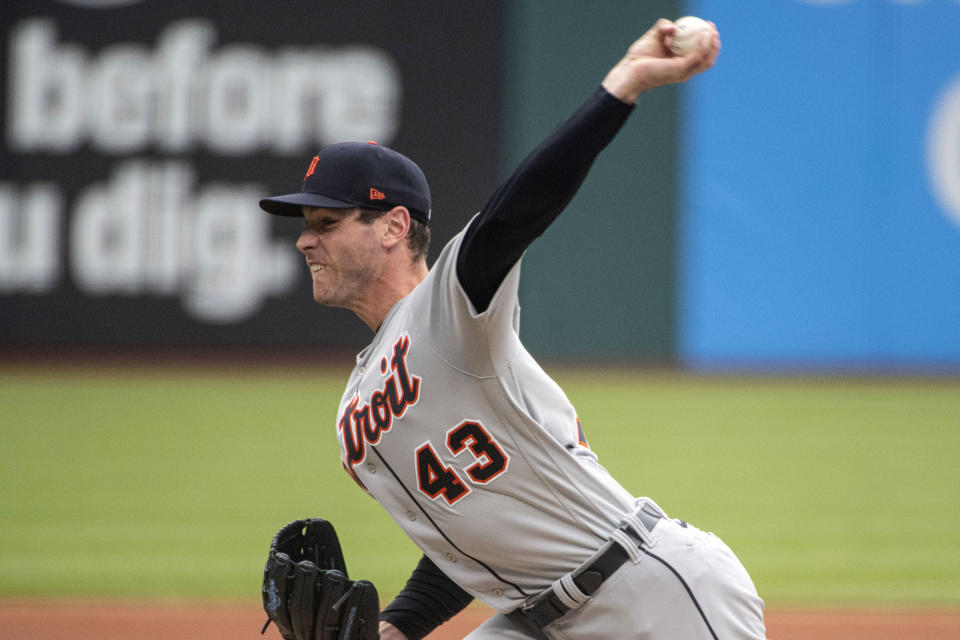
(358, 174)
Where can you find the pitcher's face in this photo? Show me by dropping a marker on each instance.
(342, 253)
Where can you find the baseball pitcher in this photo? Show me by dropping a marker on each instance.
(451, 425)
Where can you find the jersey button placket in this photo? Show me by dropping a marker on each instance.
(451, 557)
(411, 516)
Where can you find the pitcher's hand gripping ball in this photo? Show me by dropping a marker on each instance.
(685, 38)
(306, 591)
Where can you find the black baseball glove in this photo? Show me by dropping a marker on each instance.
(306, 591)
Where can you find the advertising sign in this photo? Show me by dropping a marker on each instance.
(138, 136)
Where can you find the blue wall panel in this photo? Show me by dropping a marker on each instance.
(820, 221)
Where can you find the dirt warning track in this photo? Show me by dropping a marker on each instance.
(116, 620)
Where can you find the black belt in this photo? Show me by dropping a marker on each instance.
(548, 607)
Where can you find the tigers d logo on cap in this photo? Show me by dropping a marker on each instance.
(313, 166)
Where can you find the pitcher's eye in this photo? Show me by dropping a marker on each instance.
(320, 225)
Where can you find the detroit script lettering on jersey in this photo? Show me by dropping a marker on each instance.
(365, 424)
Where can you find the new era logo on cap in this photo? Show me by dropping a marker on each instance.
(341, 176)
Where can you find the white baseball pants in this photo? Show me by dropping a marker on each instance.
(686, 585)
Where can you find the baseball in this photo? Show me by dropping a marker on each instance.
(685, 38)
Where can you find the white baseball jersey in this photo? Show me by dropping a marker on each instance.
(471, 447)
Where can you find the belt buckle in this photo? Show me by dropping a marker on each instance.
(534, 601)
(541, 610)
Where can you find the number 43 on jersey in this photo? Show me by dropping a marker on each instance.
(485, 462)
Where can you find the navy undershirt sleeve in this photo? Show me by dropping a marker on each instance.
(428, 600)
(532, 198)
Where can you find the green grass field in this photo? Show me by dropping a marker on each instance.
(166, 484)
